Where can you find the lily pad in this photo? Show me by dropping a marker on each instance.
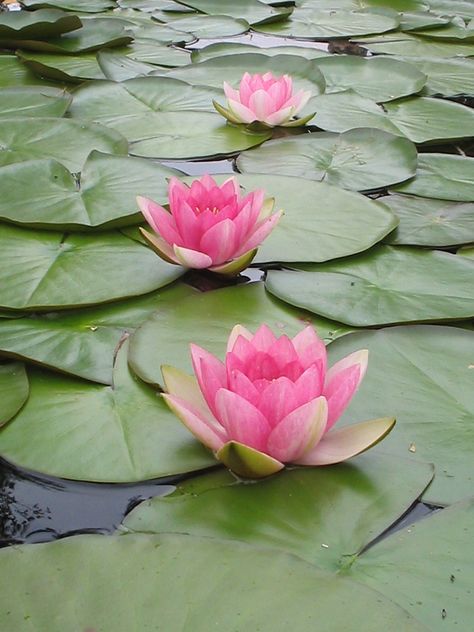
(213, 72)
(14, 74)
(184, 134)
(330, 24)
(462, 8)
(360, 159)
(447, 77)
(207, 26)
(424, 375)
(43, 24)
(49, 270)
(150, 52)
(409, 45)
(88, 6)
(253, 11)
(94, 34)
(385, 285)
(136, 107)
(321, 222)
(14, 389)
(377, 78)
(82, 342)
(119, 433)
(44, 194)
(33, 101)
(434, 561)
(119, 67)
(197, 597)
(165, 337)
(420, 119)
(68, 68)
(300, 511)
(466, 252)
(431, 222)
(442, 176)
(237, 48)
(67, 141)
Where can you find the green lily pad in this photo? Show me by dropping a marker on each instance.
(377, 78)
(14, 74)
(44, 194)
(119, 67)
(33, 101)
(457, 29)
(447, 77)
(48, 270)
(420, 119)
(434, 565)
(395, 5)
(360, 159)
(177, 135)
(300, 511)
(252, 11)
(442, 176)
(83, 431)
(94, 34)
(88, 6)
(385, 285)
(82, 342)
(423, 374)
(67, 141)
(14, 389)
(207, 26)
(409, 45)
(150, 52)
(20, 25)
(331, 24)
(430, 222)
(136, 107)
(466, 252)
(165, 337)
(462, 8)
(321, 222)
(68, 68)
(197, 599)
(213, 72)
(237, 48)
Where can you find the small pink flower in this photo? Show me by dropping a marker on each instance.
(273, 401)
(209, 226)
(264, 99)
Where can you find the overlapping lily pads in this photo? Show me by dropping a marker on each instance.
(237, 48)
(69, 142)
(442, 176)
(447, 77)
(207, 26)
(41, 24)
(420, 119)
(301, 511)
(431, 222)
(253, 11)
(14, 74)
(82, 342)
(121, 433)
(44, 194)
(165, 338)
(424, 373)
(383, 286)
(197, 598)
(409, 45)
(48, 270)
(33, 101)
(14, 389)
(88, 6)
(359, 159)
(67, 68)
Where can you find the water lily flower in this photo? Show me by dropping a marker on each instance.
(209, 226)
(265, 99)
(273, 401)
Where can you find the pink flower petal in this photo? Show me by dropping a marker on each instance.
(187, 225)
(263, 339)
(238, 330)
(194, 422)
(339, 445)
(240, 384)
(299, 430)
(277, 400)
(159, 219)
(160, 246)
(339, 392)
(360, 357)
(192, 258)
(240, 111)
(279, 117)
(242, 421)
(261, 104)
(210, 373)
(310, 349)
(230, 93)
(261, 233)
(219, 242)
(309, 385)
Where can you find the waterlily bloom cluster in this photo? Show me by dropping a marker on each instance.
(264, 99)
(209, 226)
(272, 401)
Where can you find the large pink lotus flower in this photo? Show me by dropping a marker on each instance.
(273, 401)
(265, 99)
(209, 226)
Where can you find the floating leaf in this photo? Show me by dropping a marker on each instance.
(68, 68)
(236, 48)
(33, 101)
(383, 286)
(359, 159)
(16, 25)
(14, 389)
(252, 11)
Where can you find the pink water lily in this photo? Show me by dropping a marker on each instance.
(265, 99)
(272, 401)
(209, 226)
